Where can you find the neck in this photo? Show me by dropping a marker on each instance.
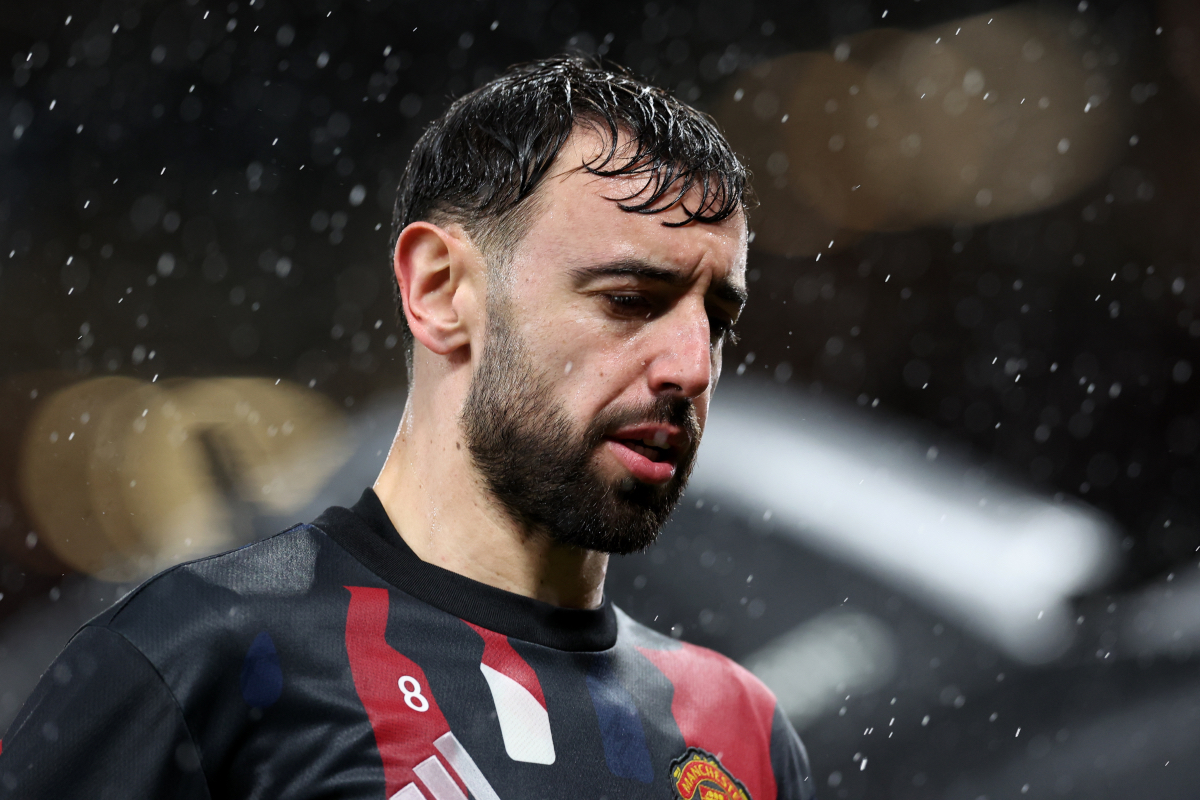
(436, 500)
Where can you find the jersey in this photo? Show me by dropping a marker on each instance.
(330, 661)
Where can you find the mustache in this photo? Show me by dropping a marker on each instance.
(677, 411)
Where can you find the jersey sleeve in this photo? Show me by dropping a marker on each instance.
(793, 775)
(101, 720)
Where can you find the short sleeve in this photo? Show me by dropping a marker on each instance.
(793, 775)
(101, 723)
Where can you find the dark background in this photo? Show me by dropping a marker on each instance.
(213, 182)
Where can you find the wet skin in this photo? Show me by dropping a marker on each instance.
(615, 309)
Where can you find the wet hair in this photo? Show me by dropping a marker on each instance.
(481, 162)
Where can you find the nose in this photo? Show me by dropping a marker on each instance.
(683, 360)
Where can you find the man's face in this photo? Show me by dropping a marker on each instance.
(603, 347)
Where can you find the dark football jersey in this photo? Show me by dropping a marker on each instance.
(329, 661)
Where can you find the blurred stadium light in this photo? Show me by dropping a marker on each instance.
(1161, 619)
(841, 651)
(125, 477)
(978, 119)
(1002, 562)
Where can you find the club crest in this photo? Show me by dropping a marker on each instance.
(699, 775)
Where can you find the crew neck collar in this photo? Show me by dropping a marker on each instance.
(367, 533)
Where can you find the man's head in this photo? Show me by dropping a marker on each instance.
(570, 254)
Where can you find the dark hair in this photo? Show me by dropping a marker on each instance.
(481, 161)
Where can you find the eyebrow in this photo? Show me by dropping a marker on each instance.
(724, 289)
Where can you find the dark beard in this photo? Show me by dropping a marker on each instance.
(541, 470)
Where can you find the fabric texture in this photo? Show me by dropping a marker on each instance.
(330, 661)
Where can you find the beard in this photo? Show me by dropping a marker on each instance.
(542, 470)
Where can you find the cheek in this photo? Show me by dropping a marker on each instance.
(581, 370)
(600, 379)
(590, 365)
(594, 354)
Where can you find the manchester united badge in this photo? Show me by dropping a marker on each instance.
(699, 775)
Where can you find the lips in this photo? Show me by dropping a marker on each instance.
(649, 451)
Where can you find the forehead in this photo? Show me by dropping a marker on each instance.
(579, 217)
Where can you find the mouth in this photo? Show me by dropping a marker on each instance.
(650, 452)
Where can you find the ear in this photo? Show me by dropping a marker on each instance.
(436, 270)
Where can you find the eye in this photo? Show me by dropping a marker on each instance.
(630, 305)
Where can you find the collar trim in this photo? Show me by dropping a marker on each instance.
(367, 533)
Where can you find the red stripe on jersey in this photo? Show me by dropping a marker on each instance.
(393, 690)
(720, 707)
(500, 656)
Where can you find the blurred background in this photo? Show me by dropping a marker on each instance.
(948, 505)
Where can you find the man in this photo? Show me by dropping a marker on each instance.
(569, 257)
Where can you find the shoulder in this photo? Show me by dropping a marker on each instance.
(283, 562)
(700, 676)
(207, 598)
(283, 565)
(728, 718)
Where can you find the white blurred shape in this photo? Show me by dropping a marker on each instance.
(1001, 562)
(1162, 619)
(811, 666)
